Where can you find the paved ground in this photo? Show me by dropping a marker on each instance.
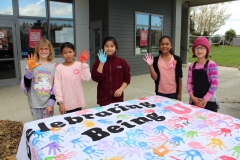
(13, 103)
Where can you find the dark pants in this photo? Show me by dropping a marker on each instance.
(73, 110)
(172, 95)
(212, 106)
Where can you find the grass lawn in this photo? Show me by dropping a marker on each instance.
(228, 56)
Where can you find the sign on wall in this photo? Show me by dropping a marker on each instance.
(143, 38)
(34, 35)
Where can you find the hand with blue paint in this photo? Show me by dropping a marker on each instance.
(102, 56)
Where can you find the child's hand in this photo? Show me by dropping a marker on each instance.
(62, 108)
(31, 61)
(84, 56)
(195, 100)
(102, 56)
(202, 103)
(49, 109)
(148, 58)
(118, 93)
(179, 96)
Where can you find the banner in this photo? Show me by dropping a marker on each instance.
(34, 35)
(143, 38)
(149, 128)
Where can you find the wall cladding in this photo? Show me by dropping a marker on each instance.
(119, 21)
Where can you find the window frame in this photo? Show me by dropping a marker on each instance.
(149, 49)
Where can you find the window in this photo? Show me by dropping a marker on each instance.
(36, 8)
(6, 7)
(61, 10)
(31, 30)
(148, 32)
(60, 32)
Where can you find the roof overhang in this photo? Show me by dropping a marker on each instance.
(192, 3)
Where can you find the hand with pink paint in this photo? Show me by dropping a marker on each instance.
(148, 58)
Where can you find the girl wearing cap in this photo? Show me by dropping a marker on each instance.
(203, 77)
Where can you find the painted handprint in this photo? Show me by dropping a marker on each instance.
(177, 132)
(123, 116)
(225, 131)
(105, 121)
(176, 140)
(144, 145)
(159, 137)
(198, 146)
(40, 133)
(55, 138)
(191, 134)
(236, 150)
(88, 123)
(216, 142)
(105, 146)
(120, 141)
(224, 157)
(150, 156)
(53, 146)
(130, 151)
(36, 142)
(140, 133)
(161, 150)
(98, 109)
(209, 134)
(79, 142)
(192, 154)
(91, 151)
(57, 130)
(160, 129)
(72, 130)
(65, 155)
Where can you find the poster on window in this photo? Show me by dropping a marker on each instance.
(143, 37)
(34, 35)
(3, 40)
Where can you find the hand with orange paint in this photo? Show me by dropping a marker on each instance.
(83, 56)
(31, 61)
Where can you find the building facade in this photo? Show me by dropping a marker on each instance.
(137, 26)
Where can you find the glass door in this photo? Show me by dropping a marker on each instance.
(9, 72)
(95, 40)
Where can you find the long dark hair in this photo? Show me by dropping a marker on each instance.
(171, 50)
(68, 45)
(110, 39)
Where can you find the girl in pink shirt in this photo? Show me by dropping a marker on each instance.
(68, 79)
(166, 70)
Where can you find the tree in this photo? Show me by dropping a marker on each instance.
(230, 34)
(208, 19)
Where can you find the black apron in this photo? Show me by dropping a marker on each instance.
(201, 85)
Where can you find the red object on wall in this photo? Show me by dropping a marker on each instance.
(143, 38)
(34, 35)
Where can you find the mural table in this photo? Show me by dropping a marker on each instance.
(151, 128)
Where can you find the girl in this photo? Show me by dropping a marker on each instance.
(68, 79)
(203, 77)
(111, 72)
(37, 83)
(166, 70)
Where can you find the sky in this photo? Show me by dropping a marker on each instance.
(234, 21)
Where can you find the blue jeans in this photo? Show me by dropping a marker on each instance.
(172, 95)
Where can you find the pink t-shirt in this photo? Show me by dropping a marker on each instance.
(167, 81)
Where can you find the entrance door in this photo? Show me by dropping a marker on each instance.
(9, 72)
(95, 40)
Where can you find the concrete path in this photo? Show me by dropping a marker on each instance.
(13, 103)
